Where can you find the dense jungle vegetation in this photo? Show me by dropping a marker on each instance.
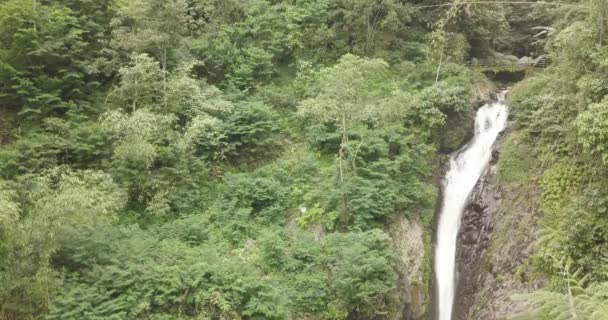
(228, 159)
(561, 117)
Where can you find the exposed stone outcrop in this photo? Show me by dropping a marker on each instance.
(496, 239)
(408, 240)
(505, 268)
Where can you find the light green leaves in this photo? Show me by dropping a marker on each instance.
(361, 270)
(53, 205)
(136, 135)
(141, 124)
(150, 26)
(578, 299)
(79, 196)
(592, 128)
(9, 209)
(191, 97)
(141, 82)
(206, 131)
(349, 92)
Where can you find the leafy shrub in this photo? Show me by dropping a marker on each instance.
(449, 99)
(251, 130)
(152, 278)
(361, 269)
(592, 128)
(266, 197)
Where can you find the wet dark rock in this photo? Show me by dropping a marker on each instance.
(474, 236)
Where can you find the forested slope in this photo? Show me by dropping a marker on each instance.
(552, 231)
(201, 159)
(268, 159)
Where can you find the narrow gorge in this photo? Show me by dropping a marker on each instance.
(457, 254)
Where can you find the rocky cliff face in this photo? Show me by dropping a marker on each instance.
(409, 243)
(474, 236)
(495, 242)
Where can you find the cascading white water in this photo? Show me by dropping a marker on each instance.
(466, 166)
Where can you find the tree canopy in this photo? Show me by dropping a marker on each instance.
(224, 159)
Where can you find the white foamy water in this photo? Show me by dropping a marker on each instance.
(466, 166)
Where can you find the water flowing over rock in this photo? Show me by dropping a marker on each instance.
(474, 236)
(466, 168)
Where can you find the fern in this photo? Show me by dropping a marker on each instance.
(579, 300)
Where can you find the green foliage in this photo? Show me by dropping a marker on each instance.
(592, 130)
(516, 162)
(43, 209)
(150, 26)
(245, 54)
(448, 99)
(262, 195)
(360, 266)
(190, 97)
(559, 181)
(383, 175)
(216, 159)
(152, 278)
(10, 210)
(251, 130)
(272, 247)
(578, 299)
(357, 114)
(319, 216)
(372, 26)
(562, 113)
(348, 91)
(45, 58)
(140, 82)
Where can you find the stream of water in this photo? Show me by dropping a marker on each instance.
(466, 167)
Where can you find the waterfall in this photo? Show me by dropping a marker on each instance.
(466, 167)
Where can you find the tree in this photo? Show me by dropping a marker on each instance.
(60, 202)
(140, 82)
(348, 94)
(139, 140)
(251, 130)
(189, 97)
(361, 271)
(151, 26)
(370, 26)
(161, 279)
(592, 130)
(43, 59)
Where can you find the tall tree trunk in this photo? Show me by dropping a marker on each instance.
(603, 17)
(344, 214)
(34, 5)
(164, 66)
(440, 60)
(372, 24)
(342, 144)
(136, 95)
